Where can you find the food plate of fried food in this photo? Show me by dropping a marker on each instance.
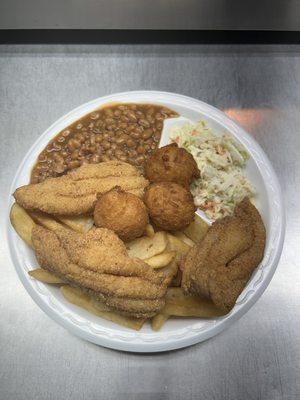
(145, 221)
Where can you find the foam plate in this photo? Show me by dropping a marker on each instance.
(176, 333)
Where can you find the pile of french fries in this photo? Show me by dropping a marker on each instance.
(160, 250)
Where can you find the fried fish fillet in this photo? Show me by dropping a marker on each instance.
(220, 266)
(97, 262)
(76, 192)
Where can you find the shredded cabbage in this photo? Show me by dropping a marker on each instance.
(220, 160)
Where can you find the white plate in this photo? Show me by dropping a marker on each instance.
(175, 333)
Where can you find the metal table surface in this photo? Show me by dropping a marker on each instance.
(256, 358)
(155, 14)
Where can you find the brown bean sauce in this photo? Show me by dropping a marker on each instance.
(126, 132)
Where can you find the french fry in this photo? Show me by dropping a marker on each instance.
(146, 247)
(161, 260)
(44, 276)
(46, 220)
(193, 308)
(197, 229)
(22, 223)
(81, 299)
(179, 246)
(158, 321)
(150, 231)
(81, 223)
(179, 305)
(181, 236)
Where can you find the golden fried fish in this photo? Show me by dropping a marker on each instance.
(221, 265)
(76, 192)
(97, 262)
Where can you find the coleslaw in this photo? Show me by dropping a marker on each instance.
(220, 160)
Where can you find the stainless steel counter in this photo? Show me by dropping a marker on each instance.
(259, 356)
(155, 14)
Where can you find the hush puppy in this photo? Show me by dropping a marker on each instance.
(122, 212)
(171, 164)
(170, 206)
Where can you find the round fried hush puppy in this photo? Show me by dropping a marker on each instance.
(122, 212)
(171, 164)
(170, 206)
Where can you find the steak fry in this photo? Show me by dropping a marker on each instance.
(76, 192)
(221, 265)
(98, 263)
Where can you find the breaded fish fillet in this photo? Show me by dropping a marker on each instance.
(220, 266)
(98, 263)
(76, 192)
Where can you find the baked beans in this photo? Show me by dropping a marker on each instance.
(126, 132)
